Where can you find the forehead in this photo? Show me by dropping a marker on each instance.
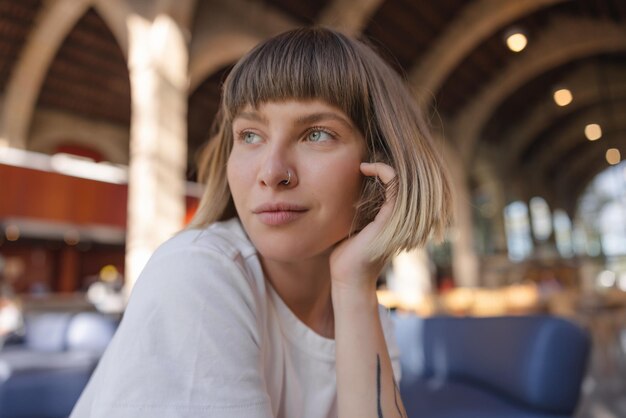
(298, 110)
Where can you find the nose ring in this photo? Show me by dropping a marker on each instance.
(288, 180)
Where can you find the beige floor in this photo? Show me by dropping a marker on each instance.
(604, 388)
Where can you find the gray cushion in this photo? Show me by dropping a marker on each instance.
(46, 332)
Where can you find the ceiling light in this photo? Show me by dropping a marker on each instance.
(12, 233)
(612, 156)
(563, 97)
(516, 39)
(593, 131)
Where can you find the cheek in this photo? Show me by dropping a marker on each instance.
(340, 185)
(237, 177)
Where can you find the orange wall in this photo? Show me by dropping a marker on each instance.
(27, 193)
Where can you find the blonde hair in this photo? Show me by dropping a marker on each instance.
(319, 63)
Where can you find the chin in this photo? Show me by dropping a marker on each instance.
(285, 252)
(289, 249)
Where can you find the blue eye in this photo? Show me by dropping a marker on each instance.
(250, 137)
(318, 136)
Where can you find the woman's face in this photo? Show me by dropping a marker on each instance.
(318, 149)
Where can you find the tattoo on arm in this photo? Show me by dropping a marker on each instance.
(401, 412)
(396, 393)
(380, 409)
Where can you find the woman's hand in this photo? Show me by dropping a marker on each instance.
(350, 265)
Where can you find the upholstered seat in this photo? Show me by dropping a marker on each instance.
(44, 376)
(505, 367)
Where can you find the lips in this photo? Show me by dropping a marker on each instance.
(276, 214)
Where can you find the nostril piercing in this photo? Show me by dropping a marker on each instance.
(288, 179)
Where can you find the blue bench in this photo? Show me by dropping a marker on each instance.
(43, 375)
(501, 367)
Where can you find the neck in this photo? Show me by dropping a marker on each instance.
(305, 288)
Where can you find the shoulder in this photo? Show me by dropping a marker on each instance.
(224, 239)
(210, 265)
(220, 250)
(191, 332)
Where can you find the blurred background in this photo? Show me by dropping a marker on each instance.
(105, 104)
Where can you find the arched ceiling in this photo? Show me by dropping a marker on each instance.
(16, 22)
(89, 57)
(495, 105)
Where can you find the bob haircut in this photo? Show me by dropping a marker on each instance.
(319, 63)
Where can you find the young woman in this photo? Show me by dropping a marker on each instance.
(320, 170)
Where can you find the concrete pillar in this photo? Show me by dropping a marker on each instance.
(498, 233)
(494, 179)
(465, 263)
(158, 61)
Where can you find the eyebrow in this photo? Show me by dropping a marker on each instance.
(316, 117)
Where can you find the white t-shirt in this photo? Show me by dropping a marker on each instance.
(205, 335)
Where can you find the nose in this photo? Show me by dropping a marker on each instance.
(277, 171)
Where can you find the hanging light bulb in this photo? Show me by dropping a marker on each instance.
(593, 131)
(515, 39)
(613, 156)
(562, 97)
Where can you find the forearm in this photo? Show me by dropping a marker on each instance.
(365, 383)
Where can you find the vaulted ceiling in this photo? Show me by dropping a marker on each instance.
(494, 105)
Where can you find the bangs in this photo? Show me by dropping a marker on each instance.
(301, 64)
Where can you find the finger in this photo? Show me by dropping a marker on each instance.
(381, 170)
(386, 174)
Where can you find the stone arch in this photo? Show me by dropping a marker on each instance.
(181, 11)
(226, 30)
(51, 128)
(115, 13)
(349, 16)
(584, 38)
(477, 22)
(50, 143)
(221, 40)
(55, 21)
(222, 49)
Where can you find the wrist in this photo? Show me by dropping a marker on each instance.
(357, 295)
